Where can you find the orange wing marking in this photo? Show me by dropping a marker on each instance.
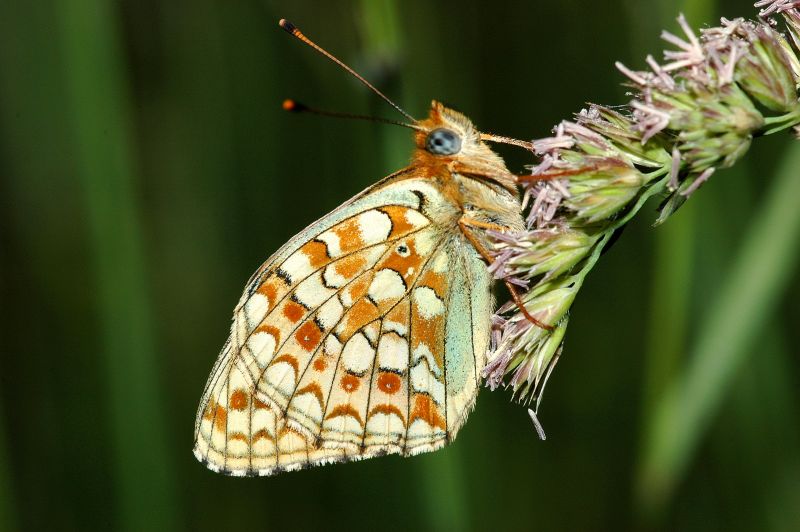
(317, 253)
(293, 311)
(349, 234)
(345, 410)
(425, 409)
(239, 400)
(312, 388)
(308, 335)
(349, 383)
(389, 383)
(387, 409)
(287, 359)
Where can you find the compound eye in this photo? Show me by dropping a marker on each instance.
(443, 142)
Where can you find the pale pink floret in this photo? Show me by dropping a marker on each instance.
(772, 7)
(691, 52)
(651, 121)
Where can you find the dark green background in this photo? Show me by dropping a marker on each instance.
(147, 170)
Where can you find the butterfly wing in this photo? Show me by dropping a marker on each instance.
(364, 335)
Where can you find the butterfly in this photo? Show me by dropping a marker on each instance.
(366, 333)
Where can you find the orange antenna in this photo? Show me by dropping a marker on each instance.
(293, 106)
(293, 31)
(507, 140)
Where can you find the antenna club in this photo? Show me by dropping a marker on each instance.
(293, 106)
(288, 26)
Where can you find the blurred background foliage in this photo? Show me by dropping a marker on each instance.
(147, 170)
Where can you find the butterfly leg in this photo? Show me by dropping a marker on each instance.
(467, 225)
(556, 173)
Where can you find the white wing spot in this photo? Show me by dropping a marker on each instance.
(330, 313)
(422, 380)
(347, 299)
(262, 347)
(371, 331)
(428, 303)
(256, 308)
(395, 326)
(393, 352)
(424, 242)
(387, 285)
(375, 226)
(331, 240)
(416, 219)
(332, 346)
(423, 433)
(297, 266)
(276, 375)
(332, 278)
(237, 380)
(311, 292)
(357, 354)
(308, 405)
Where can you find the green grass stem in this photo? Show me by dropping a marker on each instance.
(101, 117)
(746, 302)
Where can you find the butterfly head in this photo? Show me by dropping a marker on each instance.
(448, 139)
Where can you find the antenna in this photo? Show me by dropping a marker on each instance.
(295, 32)
(507, 140)
(293, 106)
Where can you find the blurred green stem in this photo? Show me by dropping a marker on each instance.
(8, 518)
(782, 122)
(746, 301)
(765, 398)
(669, 303)
(99, 105)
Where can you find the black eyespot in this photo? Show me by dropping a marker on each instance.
(443, 142)
(402, 250)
